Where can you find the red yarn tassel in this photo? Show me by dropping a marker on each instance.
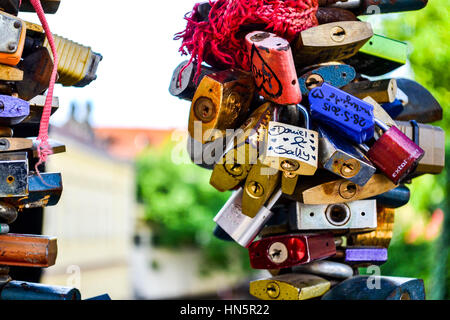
(219, 41)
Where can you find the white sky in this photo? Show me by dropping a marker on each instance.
(139, 56)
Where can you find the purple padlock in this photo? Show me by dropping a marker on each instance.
(13, 110)
(366, 255)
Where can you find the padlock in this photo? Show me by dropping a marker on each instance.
(221, 101)
(12, 39)
(394, 153)
(49, 6)
(379, 56)
(368, 7)
(240, 227)
(37, 107)
(341, 190)
(260, 184)
(351, 117)
(20, 290)
(15, 144)
(13, 174)
(343, 159)
(394, 198)
(290, 286)
(421, 105)
(334, 73)
(37, 69)
(382, 91)
(12, 110)
(10, 6)
(77, 64)
(27, 250)
(242, 150)
(8, 73)
(377, 288)
(290, 148)
(42, 192)
(351, 216)
(185, 87)
(382, 235)
(325, 268)
(432, 140)
(328, 15)
(8, 213)
(330, 42)
(55, 146)
(289, 250)
(273, 68)
(219, 233)
(362, 256)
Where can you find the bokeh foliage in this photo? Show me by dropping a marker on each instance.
(180, 205)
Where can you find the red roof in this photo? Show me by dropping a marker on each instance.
(126, 143)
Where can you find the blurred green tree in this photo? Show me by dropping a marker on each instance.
(180, 205)
(427, 31)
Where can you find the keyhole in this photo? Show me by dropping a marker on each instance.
(337, 34)
(313, 81)
(2, 106)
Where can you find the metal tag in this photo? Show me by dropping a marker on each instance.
(352, 215)
(13, 174)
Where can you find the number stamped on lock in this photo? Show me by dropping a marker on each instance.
(342, 111)
(291, 142)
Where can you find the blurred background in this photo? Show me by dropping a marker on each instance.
(135, 225)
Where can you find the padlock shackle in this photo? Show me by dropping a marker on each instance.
(305, 115)
(381, 124)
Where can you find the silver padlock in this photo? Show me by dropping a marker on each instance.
(240, 227)
(356, 215)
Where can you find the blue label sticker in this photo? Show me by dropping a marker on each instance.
(342, 112)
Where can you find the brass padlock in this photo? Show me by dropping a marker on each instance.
(382, 235)
(330, 42)
(382, 91)
(290, 286)
(221, 101)
(242, 150)
(261, 182)
(432, 140)
(340, 190)
(8, 73)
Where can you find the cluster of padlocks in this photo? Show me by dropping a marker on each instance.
(26, 66)
(318, 155)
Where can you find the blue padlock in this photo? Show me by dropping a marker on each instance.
(393, 108)
(353, 118)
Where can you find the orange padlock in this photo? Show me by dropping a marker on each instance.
(12, 39)
(273, 68)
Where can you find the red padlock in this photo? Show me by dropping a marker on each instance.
(394, 153)
(286, 251)
(273, 68)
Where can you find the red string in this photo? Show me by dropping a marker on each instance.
(44, 149)
(220, 40)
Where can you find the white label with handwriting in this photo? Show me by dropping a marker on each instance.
(286, 141)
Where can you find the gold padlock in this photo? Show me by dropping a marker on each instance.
(242, 150)
(290, 286)
(261, 182)
(221, 101)
(382, 235)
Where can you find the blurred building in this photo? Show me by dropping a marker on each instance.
(103, 242)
